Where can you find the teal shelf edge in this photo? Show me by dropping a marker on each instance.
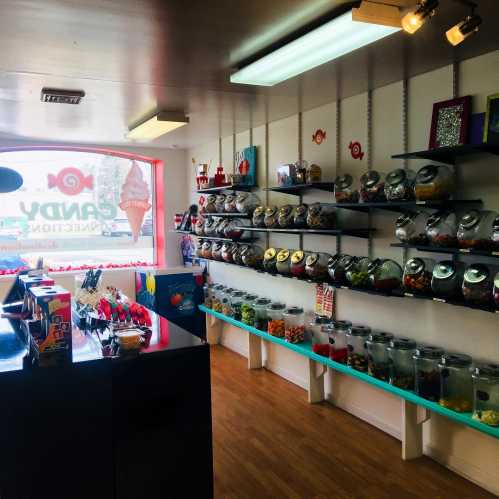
(305, 349)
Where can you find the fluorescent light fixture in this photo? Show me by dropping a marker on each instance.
(330, 41)
(158, 125)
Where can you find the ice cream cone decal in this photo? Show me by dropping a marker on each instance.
(135, 199)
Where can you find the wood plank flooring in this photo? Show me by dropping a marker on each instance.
(269, 442)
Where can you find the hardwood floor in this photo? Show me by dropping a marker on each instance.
(269, 442)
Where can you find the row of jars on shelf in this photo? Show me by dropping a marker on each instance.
(447, 378)
(476, 229)
(476, 283)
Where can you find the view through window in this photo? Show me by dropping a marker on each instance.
(77, 208)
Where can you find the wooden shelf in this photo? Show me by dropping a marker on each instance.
(215, 190)
(299, 189)
(363, 233)
(449, 155)
(450, 251)
(305, 349)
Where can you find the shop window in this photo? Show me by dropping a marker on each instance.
(77, 208)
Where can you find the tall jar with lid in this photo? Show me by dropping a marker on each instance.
(426, 361)
(346, 189)
(418, 273)
(275, 315)
(447, 279)
(236, 302)
(385, 275)
(434, 183)
(399, 185)
(441, 229)
(410, 228)
(378, 361)
(294, 325)
(248, 309)
(226, 302)
(372, 187)
(401, 351)
(338, 345)
(357, 273)
(478, 284)
(357, 351)
(318, 329)
(475, 229)
(486, 394)
(208, 294)
(283, 264)
(218, 292)
(456, 385)
(261, 317)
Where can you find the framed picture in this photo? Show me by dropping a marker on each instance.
(491, 126)
(245, 166)
(450, 122)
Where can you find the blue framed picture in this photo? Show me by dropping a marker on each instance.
(245, 173)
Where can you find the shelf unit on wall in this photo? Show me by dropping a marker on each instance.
(231, 187)
(362, 233)
(215, 238)
(300, 189)
(450, 155)
(227, 215)
(450, 251)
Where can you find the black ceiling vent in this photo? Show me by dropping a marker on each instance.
(58, 96)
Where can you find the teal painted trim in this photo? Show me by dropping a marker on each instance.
(305, 349)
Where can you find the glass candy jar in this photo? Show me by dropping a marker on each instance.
(316, 266)
(216, 303)
(210, 206)
(346, 189)
(427, 381)
(447, 279)
(372, 187)
(271, 219)
(259, 216)
(226, 302)
(230, 203)
(210, 226)
(356, 344)
(285, 216)
(400, 352)
(246, 202)
(410, 228)
(199, 248)
(337, 266)
(399, 185)
(320, 335)
(475, 229)
(434, 183)
(456, 385)
(252, 256)
(275, 315)
(357, 273)
(216, 251)
(234, 229)
(486, 394)
(418, 273)
(222, 227)
(321, 216)
(248, 309)
(270, 260)
(298, 263)
(478, 284)
(283, 264)
(385, 275)
(314, 174)
(236, 302)
(208, 294)
(228, 252)
(261, 318)
(378, 362)
(206, 250)
(199, 227)
(220, 203)
(338, 345)
(237, 255)
(441, 229)
(294, 325)
(300, 216)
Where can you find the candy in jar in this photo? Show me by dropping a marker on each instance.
(316, 265)
(228, 252)
(248, 309)
(456, 384)
(300, 214)
(434, 183)
(378, 360)
(475, 229)
(478, 285)
(230, 203)
(270, 260)
(401, 351)
(441, 229)
(356, 343)
(372, 187)
(285, 216)
(411, 228)
(345, 189)
(320, 336)
(418, 273)
(298, 263)
(259, 216)
(271, 219)
(426, 360)
(220, 203)
(385, 275)
(294, 325)
(338, 345)
(283, 264)
(447, 279)
(275, 317)
(486, 393)
(261, 317)
(399, 185)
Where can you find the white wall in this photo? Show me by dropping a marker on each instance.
(470, 453)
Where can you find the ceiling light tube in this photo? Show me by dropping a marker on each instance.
(462, 30)
(325, 43)
(159, 124)
(414, 19)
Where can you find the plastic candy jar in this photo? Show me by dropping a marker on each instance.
(378, 361)
(248, 309)
(320, 335)
(486, 394)
(456, 383)
(338, 341)
(275, 314)
(372, 187)
(357, 352)
(426, 361)
(418, 273)
(294, 325)
(401, 351)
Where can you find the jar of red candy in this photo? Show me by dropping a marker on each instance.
(294, 325)
(346, 189)
(298, 263)
(320, 335)
(418, 273)
(338, 347)
(372, 187)
(385, 275)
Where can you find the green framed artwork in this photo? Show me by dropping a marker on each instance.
(491, 126)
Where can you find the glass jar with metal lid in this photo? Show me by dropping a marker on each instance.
(206, 250)
(230, 203)
(372, 187)
(199, 248)
(385, 275)
(210, 206)
(475, 229)
(434, 183)
(321, 216)
(208, 294)
(300, 214)
(218, 291)
(294, 325)
(337, 268)
(270, 260)
(357, 273)
(199, 227)
(356, 344)
(285, 216)
(400, 352)
(226, 302)
(210, 226)
(478, 284)
(486, 394)
(338, 345)
(318, 329)
(378, 361)
(298, 263)
(259, 216)
(220, 203)
(275, 316)
(283, 263)
(237, 255)
(410, 228)
(236, 302)
(246, 202)
(441, 229)
(271, 219)
(427, 382)
(248, 309)
(252, 256)
(456, 384)
(346, 189)
(399, 185)
(234, 228)
(221, 227)
(228, 249)
(418, 273)
(261, 318)
(316, 266)
(447, 279)
(216, 251)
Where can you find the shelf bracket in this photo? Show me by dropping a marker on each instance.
(413, 417)
(254, 352)
(214, 328)
(315, 381)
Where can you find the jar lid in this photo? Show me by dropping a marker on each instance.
(320, 319)
(217, 245)
(333, 260)
(301, 209)
(456, 360)
(403, 343)
(262, 301)
(228, 246)
(238, 294)
(206, 244)
(426, 174)
(312, 259)
(294, 311)
(436, 218)
(285, 210)
(242, 197)
(250, 297)
(405, 219)
(211, 222)
(488, 370)
(429, 352)
(470, 219)
(229, 198)
(259, 210)
(476, 273)
(414, 266)
(380, 337)
(314, 209)
(270, 254)
(270, 211)
(444, 270)
(370, 178)
(346, 261)
(211, 198)
(220, 198)
(218, 286)
(396, 177)
(344, 181)
(349, 263)
(244, 250)
(373, 265)
(360, 331)
(283, 255)
(342, 324)
(277, 306)
(297, 256)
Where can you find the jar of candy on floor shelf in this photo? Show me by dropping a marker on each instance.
(261, 317)
(236, 302)
(294, 325)
(486, 394)
(218, 292)
(320, 335)
(426, 361)
(275, 315)
(357, 351)
(401, 351)
(248, 309)
(378, 361)
(456, 383)
(338, 350)
(226, 299)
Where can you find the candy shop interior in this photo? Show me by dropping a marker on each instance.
(302, 205)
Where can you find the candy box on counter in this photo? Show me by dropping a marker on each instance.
(27, 281)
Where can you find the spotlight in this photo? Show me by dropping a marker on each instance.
(462, 30)
(413, 20)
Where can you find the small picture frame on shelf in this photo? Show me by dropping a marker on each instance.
(491, 126)
(450, 122)
(245, 161)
